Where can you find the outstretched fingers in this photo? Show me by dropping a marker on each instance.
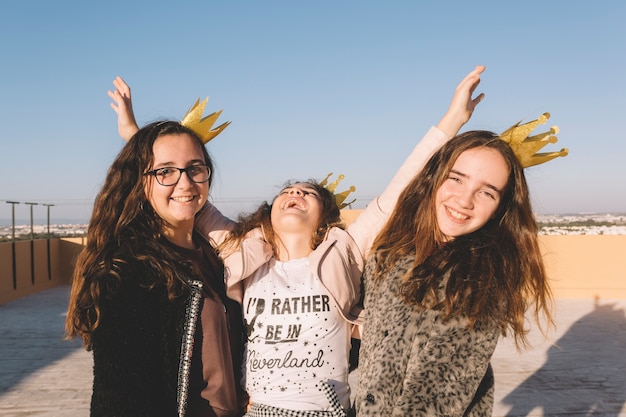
(464, 91)
(123, 106)
(474, 79)
(462, 105)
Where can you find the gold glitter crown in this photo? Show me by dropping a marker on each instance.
(202, 125)
(339, 197)
(525, 146)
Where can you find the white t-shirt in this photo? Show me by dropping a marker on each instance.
(296, 338)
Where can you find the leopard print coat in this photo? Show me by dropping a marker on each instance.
(413, 363)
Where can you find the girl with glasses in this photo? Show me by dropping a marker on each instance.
(148, 295)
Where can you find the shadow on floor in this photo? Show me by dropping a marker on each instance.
(584, 371)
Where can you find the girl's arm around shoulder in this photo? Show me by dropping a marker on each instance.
(212, 224)
(244, 260)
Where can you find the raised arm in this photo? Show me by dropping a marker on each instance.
(123, 106)
(370, 222)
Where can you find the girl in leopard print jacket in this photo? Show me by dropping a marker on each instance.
(438, 298)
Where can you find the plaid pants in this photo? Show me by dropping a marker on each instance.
(262, 410)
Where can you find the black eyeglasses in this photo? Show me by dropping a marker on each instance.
(169, 176)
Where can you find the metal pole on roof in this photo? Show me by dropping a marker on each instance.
(32, 244)
(48, 242)
(13, 203)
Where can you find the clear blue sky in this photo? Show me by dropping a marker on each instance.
(310, 88)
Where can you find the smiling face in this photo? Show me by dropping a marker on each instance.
(297, 208)
(177, 204)
(470, 196)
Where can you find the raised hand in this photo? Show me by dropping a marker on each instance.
(462, 105)
(123, 106)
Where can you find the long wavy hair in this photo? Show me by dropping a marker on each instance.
(261, 218)
(124, 227)
(494, 273)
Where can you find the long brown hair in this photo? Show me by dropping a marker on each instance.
(124, 227)
(261, 218)
(494, 273)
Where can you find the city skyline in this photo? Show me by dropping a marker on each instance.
(310, 88)
(612, 220)
(40, 215)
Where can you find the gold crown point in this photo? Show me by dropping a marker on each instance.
(525, 146)
(325, 180)
(203, 126)
(333, 185)
(339, 197)
(540, 158)
(519, 132)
